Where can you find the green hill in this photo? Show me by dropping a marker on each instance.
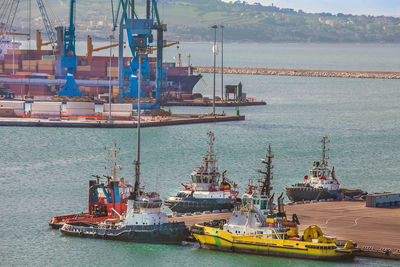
(190, 20)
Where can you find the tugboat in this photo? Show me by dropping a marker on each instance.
(321, 184)
(143, 222)
(256, 228)
(209, 189)
(104, 198)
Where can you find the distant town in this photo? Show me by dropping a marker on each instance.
(189, 20)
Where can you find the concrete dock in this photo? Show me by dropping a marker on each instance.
(376, 230)
(176, 119)
(210, 103)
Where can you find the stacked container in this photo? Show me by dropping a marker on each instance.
(80, 108)
(17, 106)
(122, 111)
(46, 109)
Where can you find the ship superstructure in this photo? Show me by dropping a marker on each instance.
(143, 221)
(321, 182)
(208, 189)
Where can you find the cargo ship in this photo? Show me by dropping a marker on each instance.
(257, 228)
(21, 63)
(321, 184)
(106, 200)
(208, 190)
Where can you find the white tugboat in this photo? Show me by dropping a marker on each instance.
(209, 189)
(321, 184)
(143, 222)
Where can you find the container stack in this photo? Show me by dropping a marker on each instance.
(46, 109)
(11, 63)
(18, 107)
(80, 108)
(29, 65)
(46, 66)
(120, 111)
(383, 200)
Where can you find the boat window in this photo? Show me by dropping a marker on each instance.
(193, 178)
(263, 204)
(205, 179)
(258, 201)
(314, 173)
(319, 173)
(198, 178)
(244, 201)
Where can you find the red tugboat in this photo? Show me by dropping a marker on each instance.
(106, 200)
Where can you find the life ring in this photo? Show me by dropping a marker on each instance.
(80, 233)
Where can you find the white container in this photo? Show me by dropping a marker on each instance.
(46, 107)
(80, 108)
(118, 107)
(18, 106)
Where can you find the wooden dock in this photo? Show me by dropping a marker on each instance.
(302, 72)
(177, 119)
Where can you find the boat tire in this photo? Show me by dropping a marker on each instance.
(81, 233)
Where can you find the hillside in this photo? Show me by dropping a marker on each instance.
(189, 20)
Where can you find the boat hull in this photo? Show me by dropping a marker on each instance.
(217, 239)
(199, 205)
(300, 193)
(168, 233)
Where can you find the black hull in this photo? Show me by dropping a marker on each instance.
(168, 233)
(184, 84)
(198, 205)
(300, 193)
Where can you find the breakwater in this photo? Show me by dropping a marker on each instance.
(302, 72)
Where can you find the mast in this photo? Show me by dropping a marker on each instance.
(267, 188)
(137, 162)
(324, 141)
(210, 155)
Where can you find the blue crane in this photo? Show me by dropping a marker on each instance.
(69, 59)
(140, 39)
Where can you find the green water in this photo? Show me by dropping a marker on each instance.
(45, 171)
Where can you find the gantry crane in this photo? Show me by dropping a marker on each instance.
(69, 59)
(140, 39)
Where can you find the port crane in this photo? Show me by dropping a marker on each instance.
(69, 59)
(140, 39)
(50, 30)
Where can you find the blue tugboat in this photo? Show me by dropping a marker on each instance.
(209, 189)
(143, 222)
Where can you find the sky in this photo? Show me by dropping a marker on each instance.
(355, 7)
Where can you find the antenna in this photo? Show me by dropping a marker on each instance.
(324, 141)
(266, 188)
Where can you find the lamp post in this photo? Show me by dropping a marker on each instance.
(215, 54)
(13, 48)
(222, 61)
(109, 84)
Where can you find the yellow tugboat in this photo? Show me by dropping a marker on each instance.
(257, 228)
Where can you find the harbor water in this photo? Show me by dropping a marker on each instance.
(45, 171)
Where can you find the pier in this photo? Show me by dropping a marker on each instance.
(176, 119)
(302, 72)
(375, 230)
(192, 103)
